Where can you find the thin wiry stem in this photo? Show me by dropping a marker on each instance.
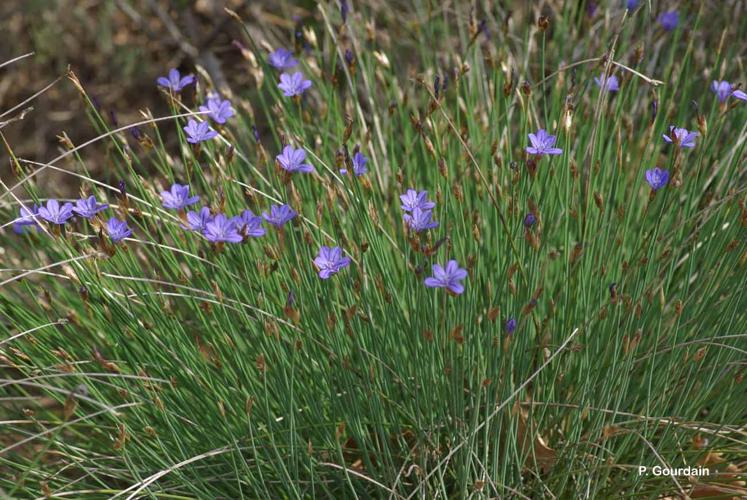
(61, 321)
(44, 268)
(28, 99)
(88, 143)
(67, 424)
(15, 59)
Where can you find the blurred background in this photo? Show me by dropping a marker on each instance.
(117, 48)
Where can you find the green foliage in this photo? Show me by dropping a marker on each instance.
(171, 368)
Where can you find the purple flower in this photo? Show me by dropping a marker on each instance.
(55, 213)
(175, 82)
(218, 109)
(420, 220)
(510, 326)
(591, 9)
(530, 220)
(282, 59)
(413, 199)
(249, 224)
(448, 277)
(221, 229)
(118, 229)
(724, 90)
(292, 160)
(197, 221)
(198, 132)
(669, 20)
(359, 165)
(294, 84)
(177, 198)
(721, 89)
(543, 144)
(330, 261)
(279, 215)
(681, 137)
(88, 207)
(27, 217)
(657, 178)
(632, 4)
(610, 84)
(344, 9)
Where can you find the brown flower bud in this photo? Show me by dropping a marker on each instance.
(543, 23)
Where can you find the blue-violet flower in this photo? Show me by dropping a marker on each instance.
(177, 198)
(282, 59)
(680, 137)
(657, 178)
(221, 229)
(279, 215)
(175, 82)
(294, 84)
(420, 220)
(118, 229)
(543, 144)
(55, 213)
(198, 132)
(449, 277)
(330, 261)
(292, 160)
(413, 199)
(217, 108)
(87, 207)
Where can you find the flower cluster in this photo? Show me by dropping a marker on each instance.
(292, 84)
(220, 228)
(59, 214)
(217, 228)
(418, 210)
(419, 217)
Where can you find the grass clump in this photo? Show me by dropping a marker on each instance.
(593, 320)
